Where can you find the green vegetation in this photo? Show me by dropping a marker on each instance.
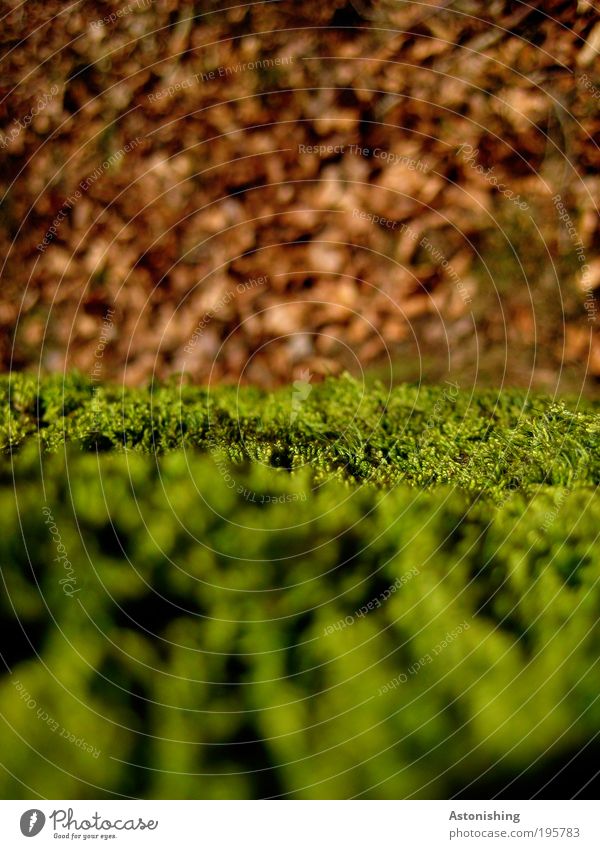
(482, 442)
(272, 616)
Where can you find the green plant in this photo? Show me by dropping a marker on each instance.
(212, 643)
(486, 441)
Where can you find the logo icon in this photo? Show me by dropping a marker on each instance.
(32, 822)
(300, 393)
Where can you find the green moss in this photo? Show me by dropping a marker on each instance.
(485, 441)
(296, 639)
(370, 593)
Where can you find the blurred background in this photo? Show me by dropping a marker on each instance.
(250, 193)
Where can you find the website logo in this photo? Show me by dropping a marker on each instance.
(32, 822)
(300, 393)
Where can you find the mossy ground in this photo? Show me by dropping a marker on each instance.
(485, 441)
(374, 593)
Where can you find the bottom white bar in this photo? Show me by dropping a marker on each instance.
(298, 825)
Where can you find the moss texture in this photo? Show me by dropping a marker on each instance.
(214, 625)
(486, 441)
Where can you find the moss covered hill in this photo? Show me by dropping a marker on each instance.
(486, 441)
(361, 592)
